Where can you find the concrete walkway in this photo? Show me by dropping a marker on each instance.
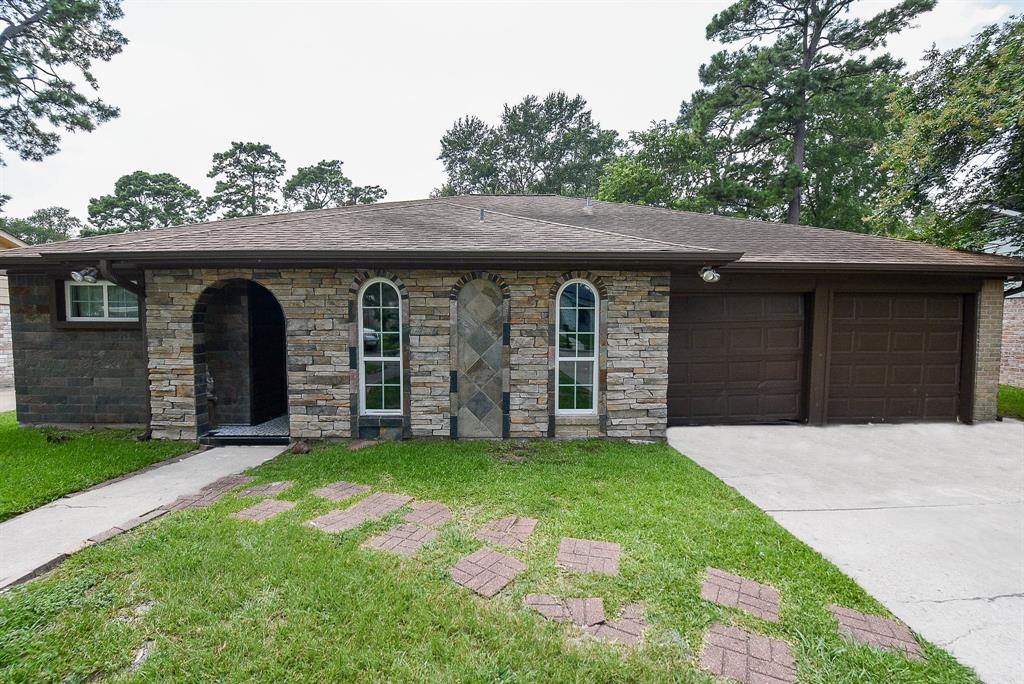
(929, 519)
(6, 399)
(44, 535)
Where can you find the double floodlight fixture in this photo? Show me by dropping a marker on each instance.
(709, 275)
(87, 275)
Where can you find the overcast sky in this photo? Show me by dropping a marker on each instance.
(377, 84)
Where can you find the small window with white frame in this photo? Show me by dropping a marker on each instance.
(380, 348)
(99, 301)
(576, 350)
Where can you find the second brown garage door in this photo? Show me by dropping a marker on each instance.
(894, 357)
(736, 358)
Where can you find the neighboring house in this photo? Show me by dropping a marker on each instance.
(506, 316)
(1012, 368)
(7, 241)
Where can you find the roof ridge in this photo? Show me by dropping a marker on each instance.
(260, 220)
(777, 224)
(585, 228)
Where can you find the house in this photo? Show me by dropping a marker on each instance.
(1012, 367)
(500, 316)
(7, 241)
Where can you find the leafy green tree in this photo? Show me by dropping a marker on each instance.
(540, 146)
(366, 194)
(248, 179)
(146, 200)
(47, 48)
(693, 163)
(43, 225)
(797, 55)
(957, 163)
(325, 185)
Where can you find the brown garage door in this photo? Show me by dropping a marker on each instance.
(736, 358)
(894, 357)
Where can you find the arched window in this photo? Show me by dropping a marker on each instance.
(577, 352)
(380, 348)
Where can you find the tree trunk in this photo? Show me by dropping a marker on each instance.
(799, 145)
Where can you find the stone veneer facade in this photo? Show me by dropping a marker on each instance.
(1012, 367)
(987, 360)
(320, 305)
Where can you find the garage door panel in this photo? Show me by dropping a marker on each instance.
(742, 339)
(944, 342)
(748, 365)
(911, 307)
(949, 307)
(892, 359)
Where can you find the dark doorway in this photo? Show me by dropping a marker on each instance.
(240, 363)
(268, 364)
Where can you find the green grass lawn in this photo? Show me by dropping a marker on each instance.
(1011, 401)
(38, 466)
(232, 601)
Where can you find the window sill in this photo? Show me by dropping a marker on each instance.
(577, 419)
(97, 325)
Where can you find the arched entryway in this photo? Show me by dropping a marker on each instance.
(241, 370)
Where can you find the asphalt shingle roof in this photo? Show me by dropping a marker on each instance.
(516, 226)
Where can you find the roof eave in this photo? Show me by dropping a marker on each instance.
(376, 258)
(807, 267)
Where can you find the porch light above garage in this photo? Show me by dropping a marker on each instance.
(709, 275)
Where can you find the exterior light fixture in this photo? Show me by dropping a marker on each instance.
(709, 274)
(87, 275)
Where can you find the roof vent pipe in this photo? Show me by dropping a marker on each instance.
(481, 214)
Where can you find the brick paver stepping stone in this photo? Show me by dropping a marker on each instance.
(264, 510)
(587, 555)
(628, 629)
(373, 507)
(269, 489)
(585, 612)
(733, 591)
(405, 540)
(429, 514)
(875, 630)
(339, 491)
(512, 532)
(747, 657)
(210, 494)
(486, 571)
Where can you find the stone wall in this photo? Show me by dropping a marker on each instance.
(6, 352)
(318, 303)
(76, 375)
(637, 355)
(1012, 367)
(990, 331)
(313, 301)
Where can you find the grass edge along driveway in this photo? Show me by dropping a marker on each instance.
(38, 466)
(221, 599)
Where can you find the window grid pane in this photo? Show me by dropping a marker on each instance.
(121, 303)
(87, 301)
(382, 348)
(577, 348)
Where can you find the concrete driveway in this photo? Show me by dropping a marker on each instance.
(929, 519)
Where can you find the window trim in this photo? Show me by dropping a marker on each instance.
(595, 359)
(363, 411)
(106, 317)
